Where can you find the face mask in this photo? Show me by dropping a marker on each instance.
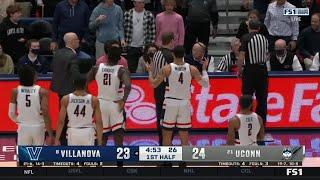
(280, 52)
(35, 51)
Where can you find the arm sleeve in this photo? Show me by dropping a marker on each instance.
(296, 66)
(315, 63)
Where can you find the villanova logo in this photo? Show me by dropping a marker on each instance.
(34, 152)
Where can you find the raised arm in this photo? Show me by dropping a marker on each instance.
(164, 72)
(202, 80)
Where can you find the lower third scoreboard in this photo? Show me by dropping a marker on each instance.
(257, 156)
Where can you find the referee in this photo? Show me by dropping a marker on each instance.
(161, 58)
(252, 67)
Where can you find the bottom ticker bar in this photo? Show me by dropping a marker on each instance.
(160, 172)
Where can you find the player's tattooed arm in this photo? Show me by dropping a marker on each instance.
(164, 72)
(232, 128)
(124, 76)
(98, 119)
(92, 74)
(62, 117)
(13, 105)
(45, 112)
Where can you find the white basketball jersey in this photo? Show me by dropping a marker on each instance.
(28, 105)
(179, 82)
(109, 84)
(249, 129)
(80, 111)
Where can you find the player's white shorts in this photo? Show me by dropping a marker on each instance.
(177, 113)
(112, 117)
(81, 136)
(31, 135)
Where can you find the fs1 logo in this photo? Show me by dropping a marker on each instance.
(34, 153)
(294, 171)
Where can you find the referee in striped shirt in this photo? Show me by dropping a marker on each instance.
(252, 67)
(161, 58)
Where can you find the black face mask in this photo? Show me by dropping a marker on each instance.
(150, 55)
(280, 52)
(35, 51)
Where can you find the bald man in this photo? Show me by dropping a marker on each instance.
(283, 60)
(65, 69)
(198, 56)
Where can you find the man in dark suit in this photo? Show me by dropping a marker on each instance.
(198, 56)
(65, 68)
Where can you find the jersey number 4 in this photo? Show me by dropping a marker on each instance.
(181, 78)
(82, 112)
(107, 79)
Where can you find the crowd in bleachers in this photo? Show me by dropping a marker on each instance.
(137, 26)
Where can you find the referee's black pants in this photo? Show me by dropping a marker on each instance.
(159, 98)
(255, 80)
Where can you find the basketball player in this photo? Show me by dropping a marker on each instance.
(30, 101)
(81, 107)
(247, 123)
(110, 76)
(178, 94)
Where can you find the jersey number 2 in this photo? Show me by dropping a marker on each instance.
(82, 112)
(107, 79)
(28, 101)
(249, 129)
(181, 78)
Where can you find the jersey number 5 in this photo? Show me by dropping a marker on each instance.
(82, 112)
(28, 101)
(107, 79)
(181, 78)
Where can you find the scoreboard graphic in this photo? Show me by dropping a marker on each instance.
(214, 156)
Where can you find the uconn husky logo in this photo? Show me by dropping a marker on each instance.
(34, 152)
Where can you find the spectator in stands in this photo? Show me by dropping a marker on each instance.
(315, 64)
(260, 5)
(243, 28)
(13, 35)
(33, 58)
(49, 7)
(6, 64)
(170, 21)
(107, 20)
(198, 56)
(147, 57)
(70, 16)
(283, 60)
(200, 14)
(105, 58)
(309, 40)
(229, 61)
(140, 30)
(280, 26)
(40, 29)
(3, 7)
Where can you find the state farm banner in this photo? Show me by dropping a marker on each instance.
(293, 102)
